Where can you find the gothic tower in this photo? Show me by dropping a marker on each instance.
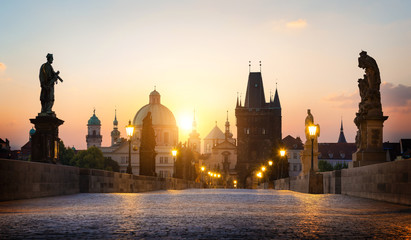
(258, 128)
(94, 137)
(115, 134)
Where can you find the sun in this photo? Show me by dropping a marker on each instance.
(184, 123)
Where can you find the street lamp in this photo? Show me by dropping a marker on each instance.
(270, 163)
(202, 171)
(282, 154)
(174, 153)
(313, 130)
(259, 175)
(130, 132)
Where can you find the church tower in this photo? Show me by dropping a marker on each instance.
(194, 141)
(258, 127)
(94, 137)
(115, 134)
(341, 138)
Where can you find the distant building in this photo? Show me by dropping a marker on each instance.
(25, 151)
(334, 153)
(166, 132)
(293, 147)
(93, 137)
(222, 157)
(258, 128)
(5, 150)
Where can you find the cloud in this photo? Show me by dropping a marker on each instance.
(2, 67)
(344, 100)
(300, 23)
(395, 96)
(3, 77)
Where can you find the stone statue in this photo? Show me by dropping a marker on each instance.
(369, 118)
(369, 87)
(48, 77)
(309, 120)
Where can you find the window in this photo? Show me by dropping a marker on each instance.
(295, 167)
(330, 155)
(94, 132)
(165, 159)
(263, 132)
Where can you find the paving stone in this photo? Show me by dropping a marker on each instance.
(204, 214)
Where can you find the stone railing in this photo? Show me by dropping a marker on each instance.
(22, 180)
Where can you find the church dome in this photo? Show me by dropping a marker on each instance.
(32, 131)
(160, 114)
(94, 120)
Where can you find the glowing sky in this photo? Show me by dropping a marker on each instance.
(111, 54)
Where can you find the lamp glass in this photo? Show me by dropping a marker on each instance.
(313, 130)
(129, 129)
(282, 152)
(174, 152)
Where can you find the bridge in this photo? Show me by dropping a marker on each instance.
(67, 202)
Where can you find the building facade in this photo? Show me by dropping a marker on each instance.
(166, 131)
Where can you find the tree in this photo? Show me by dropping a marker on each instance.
(147, 148)
(90, 158)
(324, 166)
(65, 154)
(111, 165)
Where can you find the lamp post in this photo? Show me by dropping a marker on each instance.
(313, 130)
(282, 154)
(259, 175)
(174, 153)
(202, 176)
(130, 132)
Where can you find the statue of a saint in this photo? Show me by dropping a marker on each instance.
(48, 77)
(369, 86)
(309, 121)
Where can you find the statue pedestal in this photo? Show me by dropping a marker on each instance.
(370, 150)
(306, 158)
(45, 141)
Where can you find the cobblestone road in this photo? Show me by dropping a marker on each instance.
(204, 214)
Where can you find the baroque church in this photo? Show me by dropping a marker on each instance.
(165, 129)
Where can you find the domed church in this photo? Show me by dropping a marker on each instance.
(166, 131)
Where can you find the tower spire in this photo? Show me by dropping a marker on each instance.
(237, 101)
(249, 66)
(260, 66)
(341, 138)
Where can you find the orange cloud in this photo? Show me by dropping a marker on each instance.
(300, 23)
(344, 100)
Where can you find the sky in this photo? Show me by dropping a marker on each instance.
(111, 55)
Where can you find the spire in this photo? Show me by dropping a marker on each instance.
(276, 103)
(341, 138)
(115, 122)
(240, 99)
(260, 66)
(237, 101)
(254, 97)
(227, 129)
(249, 66)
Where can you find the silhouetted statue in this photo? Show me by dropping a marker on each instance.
(369, 87)
(369, 118)
(48, 77)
